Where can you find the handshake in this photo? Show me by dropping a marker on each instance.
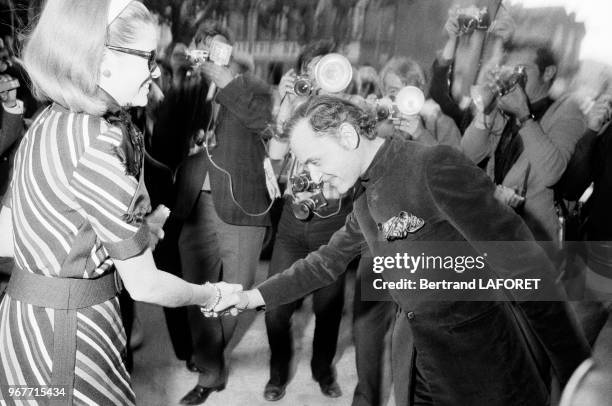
(230, 300)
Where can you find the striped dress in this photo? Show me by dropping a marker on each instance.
(70, 186)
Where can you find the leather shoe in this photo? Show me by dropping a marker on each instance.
(274, 392)
(331, 389)
(199, 394)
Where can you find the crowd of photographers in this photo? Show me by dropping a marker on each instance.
(214, 158)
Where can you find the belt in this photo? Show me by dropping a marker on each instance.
(65, 296)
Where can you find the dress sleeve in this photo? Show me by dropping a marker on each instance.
(105, 192)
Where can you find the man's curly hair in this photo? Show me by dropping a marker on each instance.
(326, 113)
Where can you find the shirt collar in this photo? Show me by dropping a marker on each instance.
(381, 162)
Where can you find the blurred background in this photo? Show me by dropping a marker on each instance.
(370, 31)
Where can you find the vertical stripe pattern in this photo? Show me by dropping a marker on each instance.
(68, 186)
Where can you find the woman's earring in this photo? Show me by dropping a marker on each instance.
(106, 73)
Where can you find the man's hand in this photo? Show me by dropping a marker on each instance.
(515, 102)
(285, 86)
(509, 196)
(9, 97)
(452, 23)
(600, 113)
(220, 75)
(227, 293)
(408, 124)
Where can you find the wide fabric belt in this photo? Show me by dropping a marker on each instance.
(65, 296)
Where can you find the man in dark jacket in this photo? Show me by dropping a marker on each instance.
(222, 194)
(469, 347)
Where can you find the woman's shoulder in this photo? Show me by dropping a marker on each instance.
(83, 126)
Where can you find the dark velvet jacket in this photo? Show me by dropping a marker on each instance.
(245, 110)
(470, 352)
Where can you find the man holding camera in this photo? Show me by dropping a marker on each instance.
(467, 353)
(528, 138)
(221, 193)
(311, 213)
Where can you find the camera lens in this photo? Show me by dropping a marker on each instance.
(382, 113)
(302, 87)
(303, 210)
(300, 184)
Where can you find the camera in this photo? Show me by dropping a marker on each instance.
(197, 56)
(505, 78)
(303, 86)
(303, 209)
(218, 53)
(332, 74)
(474, 20)
(408, 101)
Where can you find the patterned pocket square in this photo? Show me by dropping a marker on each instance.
(398, 227)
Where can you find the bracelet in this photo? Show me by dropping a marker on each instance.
(216, 300)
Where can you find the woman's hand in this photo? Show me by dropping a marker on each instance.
(224, 296)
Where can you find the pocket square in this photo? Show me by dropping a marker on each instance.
(398, 227)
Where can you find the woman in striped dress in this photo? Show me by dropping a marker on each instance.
(77, 210)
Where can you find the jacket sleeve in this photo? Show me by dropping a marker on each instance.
(549, 152)
(464, 196)
(248, 100)
(317, 270)
(12, 130)
(440, 90)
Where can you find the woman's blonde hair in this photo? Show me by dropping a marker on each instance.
(64, 50)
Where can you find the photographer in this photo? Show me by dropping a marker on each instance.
(221, 193)
(458, 29)
(430, 126)
(528, 138)
(310, 215)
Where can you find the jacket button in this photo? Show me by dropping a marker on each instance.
(410, 315)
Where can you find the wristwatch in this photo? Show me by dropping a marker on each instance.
(522, 120)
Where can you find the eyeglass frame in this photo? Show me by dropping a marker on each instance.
(148, 55)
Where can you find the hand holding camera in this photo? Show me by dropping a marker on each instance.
(408, 124)
(464, 21)
(515, 102)
(502, 81)
(509, 197)
(220, 75)
(600, 113)
(285, 86)
(8, 90)
(213, 62)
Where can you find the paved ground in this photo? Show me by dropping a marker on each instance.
(160, 379)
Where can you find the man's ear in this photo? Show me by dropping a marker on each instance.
(549, 73)
(349, 138)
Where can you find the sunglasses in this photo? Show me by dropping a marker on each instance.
(148, 55)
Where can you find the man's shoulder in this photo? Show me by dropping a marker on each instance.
(564, 107)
